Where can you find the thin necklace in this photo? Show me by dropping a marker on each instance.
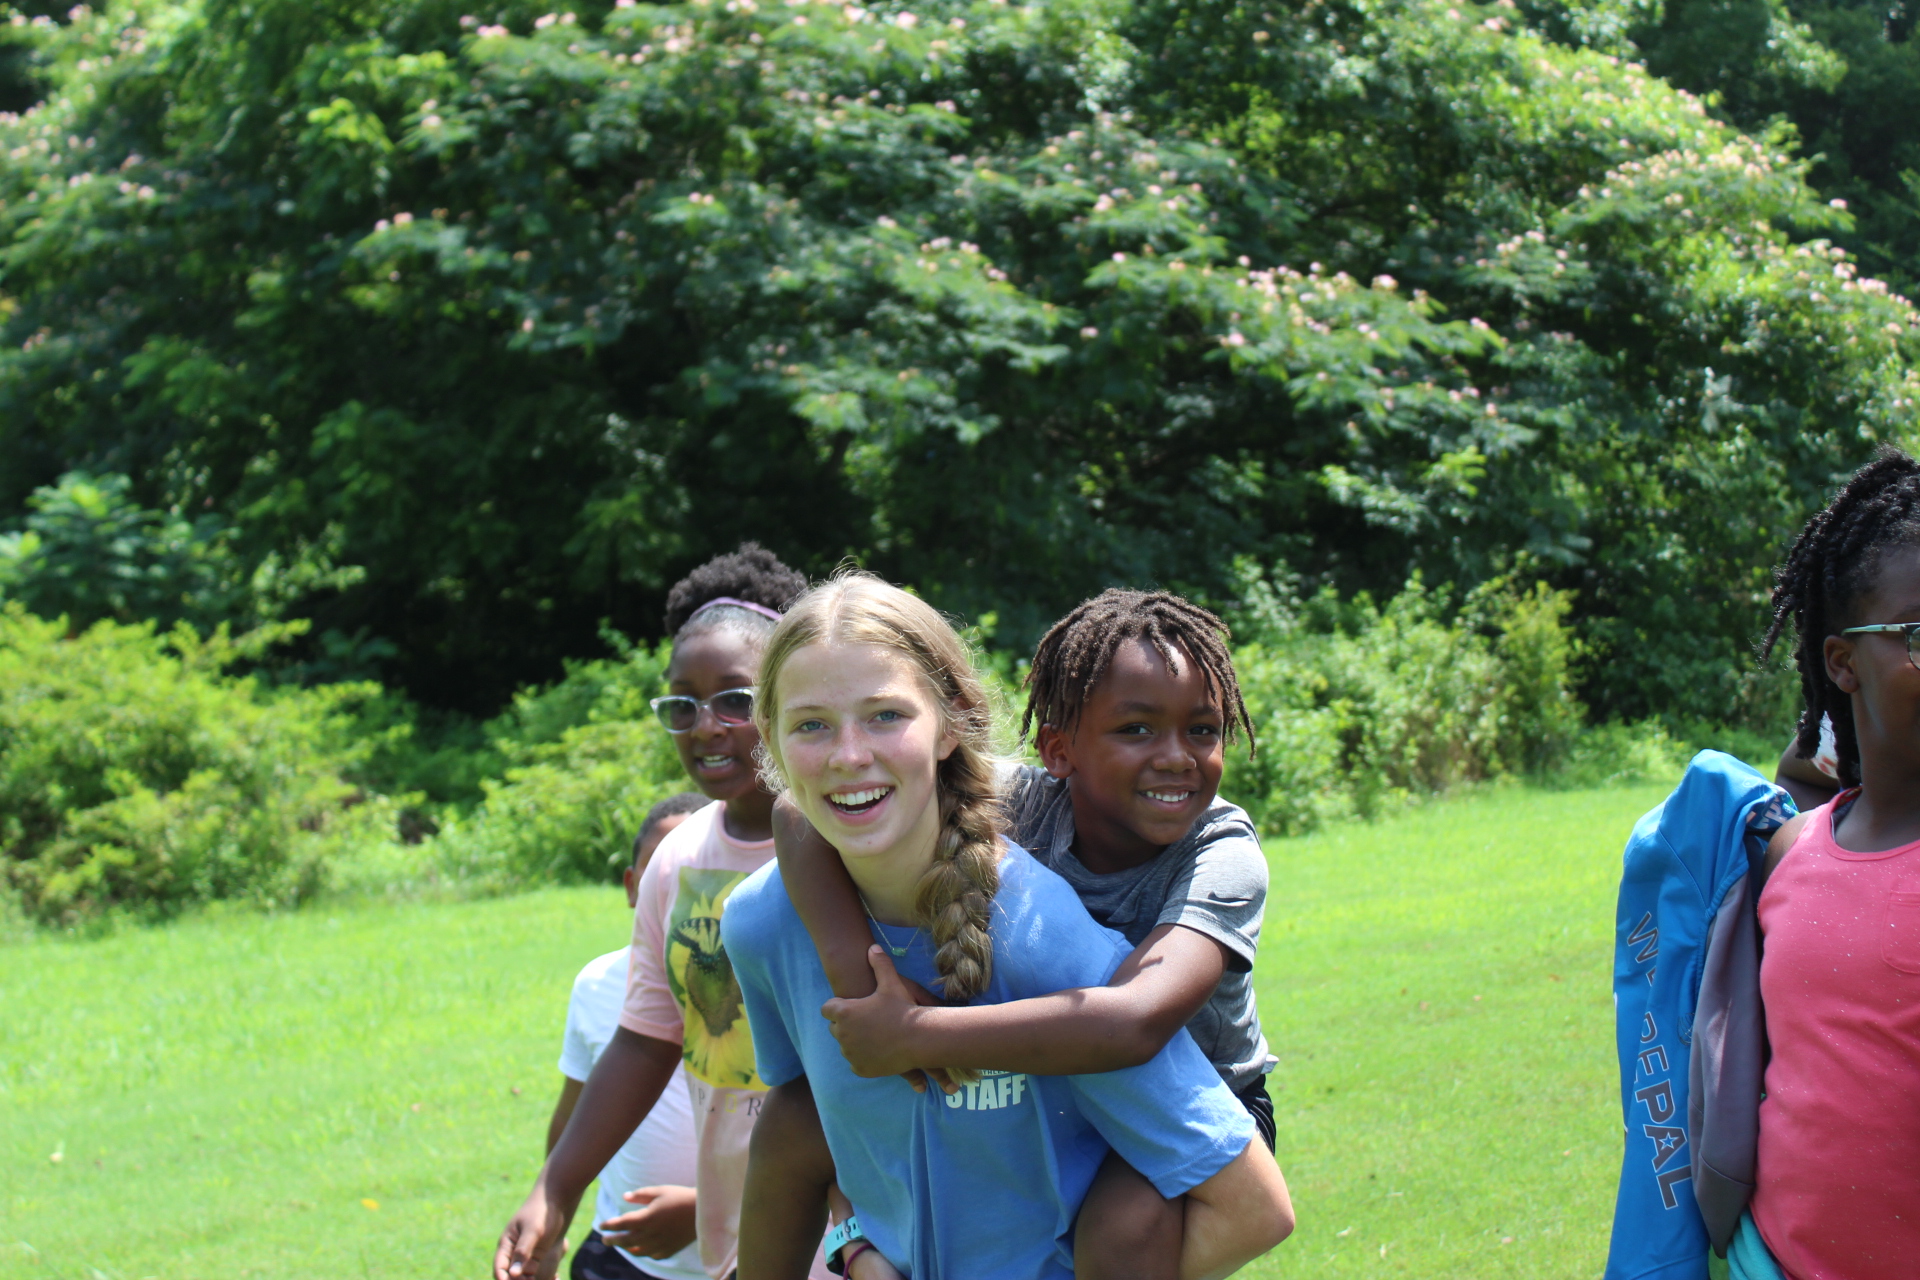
(881, 929)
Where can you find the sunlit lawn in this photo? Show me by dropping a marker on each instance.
(364, 1091)
(1436, 989)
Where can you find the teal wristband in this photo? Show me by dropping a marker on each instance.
(838, 1239)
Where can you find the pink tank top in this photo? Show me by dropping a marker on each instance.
(1839, 1162)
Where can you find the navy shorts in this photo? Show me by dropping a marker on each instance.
(1259, 1105)
(595, 1259)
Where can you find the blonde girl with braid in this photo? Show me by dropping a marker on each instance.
(874, 721)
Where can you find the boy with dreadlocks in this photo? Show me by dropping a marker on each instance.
(1837, 1184)
(1132, 697)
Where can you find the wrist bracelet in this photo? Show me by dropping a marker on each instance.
(840, 1239)
(851, 1252)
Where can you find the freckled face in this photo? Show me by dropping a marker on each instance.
(860, 743)
(717, 757)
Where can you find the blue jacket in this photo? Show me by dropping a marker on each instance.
(1687, 1019)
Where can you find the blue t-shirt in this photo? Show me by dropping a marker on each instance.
(983, 1184)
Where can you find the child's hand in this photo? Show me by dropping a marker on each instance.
(919, 1076)
(660, 1228)
(876, 1032)
(871, 1264)
(534, 1242)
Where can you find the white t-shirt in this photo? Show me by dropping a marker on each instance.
(661, 1150)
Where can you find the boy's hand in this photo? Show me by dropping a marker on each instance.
(662, 1226)
(875, 1031)
(534, 1242)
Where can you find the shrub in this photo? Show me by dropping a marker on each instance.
(585, 762)
(1614, 753)
(136, 775)
(89, 551)
(1358, 706)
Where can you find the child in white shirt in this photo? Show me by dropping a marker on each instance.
(655, 1169)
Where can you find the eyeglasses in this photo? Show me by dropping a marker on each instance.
(678, 713)
(1909, 629)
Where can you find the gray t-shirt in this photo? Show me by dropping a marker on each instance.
(1213, 880)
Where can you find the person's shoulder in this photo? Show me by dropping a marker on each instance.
(1226, 822)
(1028, 884)
(611, 967)
(1040, 923)
(1020, 781)
(762, 890)
(1031, 891)
(1789, 835)
(1029, 793)
(1225, 835)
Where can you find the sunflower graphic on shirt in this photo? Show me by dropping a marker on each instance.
(717, 1046)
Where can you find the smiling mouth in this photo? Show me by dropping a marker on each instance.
(859, 801)
(713, 762)
(1169, 797)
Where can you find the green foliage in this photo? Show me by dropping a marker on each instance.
(1846, 73)
(441, 756)
(1675, 348)
(448, 758)
(585, 761)
(1360, 707)
(90, 552)
(21, 83)
(523, 317)
(1609, 755)
(135, 776)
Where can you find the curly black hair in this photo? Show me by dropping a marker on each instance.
(1832, 564)
(751, 573)
(1072, 657)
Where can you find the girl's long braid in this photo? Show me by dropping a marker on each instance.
(1831, 564)
(1073, 656)
(956, 892)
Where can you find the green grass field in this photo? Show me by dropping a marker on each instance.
(364, 1090)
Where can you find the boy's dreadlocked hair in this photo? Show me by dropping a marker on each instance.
(1832, 563)
(1075, 654)
(750, 573)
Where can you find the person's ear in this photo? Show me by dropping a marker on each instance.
(1056, 750)
(950, 728)
(1838, 652)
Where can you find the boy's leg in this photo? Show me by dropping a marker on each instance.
(1126, 1230)
(789, 1168)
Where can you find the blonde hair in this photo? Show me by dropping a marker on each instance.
(955, 898)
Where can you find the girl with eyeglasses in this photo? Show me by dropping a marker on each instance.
(1837, 1178)
(683, 1017)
